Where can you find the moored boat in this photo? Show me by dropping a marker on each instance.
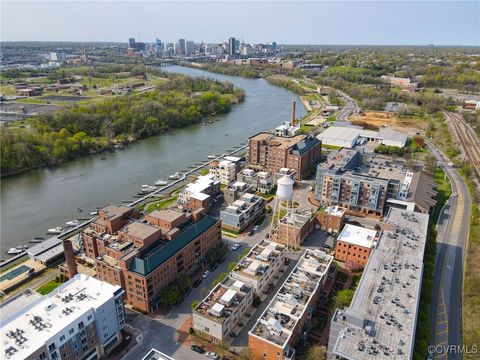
(55, 231)
(175, 176)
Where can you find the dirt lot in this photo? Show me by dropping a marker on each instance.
(376, 119)
(28, 109)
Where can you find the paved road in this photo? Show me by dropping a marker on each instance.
(348, 109)
(452, 235)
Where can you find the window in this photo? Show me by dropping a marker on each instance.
(43, 356)
(65, 354)
(207, 329)
(62, 338)
(81, 325)
(71, 331)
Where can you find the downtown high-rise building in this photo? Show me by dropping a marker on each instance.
(232, 47)
(131, 43)
(189, 47)
(180, 49)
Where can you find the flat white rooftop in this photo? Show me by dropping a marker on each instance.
(357, 235)
(41, 320)
(335, 210)
(340, 133)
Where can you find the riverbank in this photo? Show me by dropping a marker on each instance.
(47, 197)
(65, 135)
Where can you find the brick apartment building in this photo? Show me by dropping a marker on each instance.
(272, 153)
(287, 318)
(354, 245)
(331, 219)
(293, 229)
(144, 256)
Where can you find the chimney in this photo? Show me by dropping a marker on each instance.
(293, 114)
(69, 259)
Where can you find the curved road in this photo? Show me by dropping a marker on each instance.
(452, 235)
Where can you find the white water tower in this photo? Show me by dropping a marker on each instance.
(283, 205)
(285, 188)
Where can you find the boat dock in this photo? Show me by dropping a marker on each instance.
(185, 174)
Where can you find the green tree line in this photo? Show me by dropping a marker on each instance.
(81, 129)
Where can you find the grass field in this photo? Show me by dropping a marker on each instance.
(48, 287)
(160, 204)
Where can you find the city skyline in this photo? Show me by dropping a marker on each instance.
(363, 23)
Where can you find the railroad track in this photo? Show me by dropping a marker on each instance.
(469, 141)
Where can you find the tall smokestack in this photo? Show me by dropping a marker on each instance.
(70, 258)
(293, 113)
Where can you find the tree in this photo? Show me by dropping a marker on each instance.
(316, 352)
(430, 164)
(343, 298)
(245, 354)
(231, 266)
(194, 304)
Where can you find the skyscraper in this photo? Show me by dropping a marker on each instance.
(181, 47)
(189, 47)
(131, 43)
(231, 46)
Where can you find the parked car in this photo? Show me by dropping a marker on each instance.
(205, 274)
(256, 227)
(455, 195)
(213, 355)
(196, 283)
(251, 233)
(213, 267)
(189, 290)
(235, 247)
(198, 349)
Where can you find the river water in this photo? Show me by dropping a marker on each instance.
(44, 198)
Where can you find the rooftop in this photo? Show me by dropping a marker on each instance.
(342, 133)
(295, 219)
(382, 316)
(167, 215)
(18, 302)
(357, 235)
(259, 259)
(140, 230)
(338, 160)
(202, 183)
(114, 211)
(334, 210)
(155, 255)
(278, 141)
(154, 354)
(223, 300)
(34, 325)
(387, 133)
(289, 304)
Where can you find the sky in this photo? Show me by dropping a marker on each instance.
(286, 22)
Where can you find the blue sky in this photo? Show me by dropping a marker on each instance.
(287, 22)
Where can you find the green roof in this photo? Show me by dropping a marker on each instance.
(163, 253)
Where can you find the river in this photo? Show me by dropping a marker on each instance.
(44, 198)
